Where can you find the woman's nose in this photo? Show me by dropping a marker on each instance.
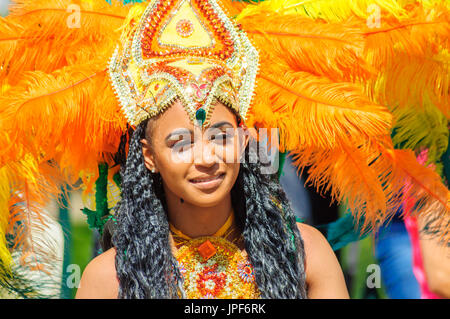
(204, 153)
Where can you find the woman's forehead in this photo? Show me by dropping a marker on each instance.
(176, 117)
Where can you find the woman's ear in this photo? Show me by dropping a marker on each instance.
(149, 159)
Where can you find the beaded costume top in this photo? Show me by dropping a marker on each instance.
(215, 267)
(226, 274)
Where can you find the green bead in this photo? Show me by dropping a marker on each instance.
(200, 115)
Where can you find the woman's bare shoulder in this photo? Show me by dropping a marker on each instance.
(315, 244)
(99, 278)
(309, 233)
(324, 275)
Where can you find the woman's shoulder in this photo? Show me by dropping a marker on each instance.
(309, 232)
(99, 278)
(323, 273)
(314, 243)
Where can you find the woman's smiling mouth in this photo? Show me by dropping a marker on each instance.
(207, 182)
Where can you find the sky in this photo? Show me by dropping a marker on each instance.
(4, 7)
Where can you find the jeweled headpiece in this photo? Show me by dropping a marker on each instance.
(188, 50)
(325, 93)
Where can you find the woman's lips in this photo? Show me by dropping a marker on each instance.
(207, 182)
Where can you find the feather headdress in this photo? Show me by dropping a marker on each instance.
(332, 77)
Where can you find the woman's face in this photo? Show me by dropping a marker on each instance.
(199, 165)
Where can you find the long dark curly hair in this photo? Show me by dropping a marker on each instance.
(145, 265)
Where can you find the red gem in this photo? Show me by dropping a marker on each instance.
(206, 250)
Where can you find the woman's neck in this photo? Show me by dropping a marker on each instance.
(195, 221)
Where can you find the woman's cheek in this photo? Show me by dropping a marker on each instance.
(228, 153)
(179, 155)
(171, 174)
(173, 177)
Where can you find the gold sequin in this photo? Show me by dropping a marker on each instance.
(227, 274)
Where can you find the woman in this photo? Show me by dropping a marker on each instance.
(199, 209)
(190, 54)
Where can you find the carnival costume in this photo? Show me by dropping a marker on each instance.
(335, 77)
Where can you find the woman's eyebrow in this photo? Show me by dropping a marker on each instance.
(177, 133)
(222, 123)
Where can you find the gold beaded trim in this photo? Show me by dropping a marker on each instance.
(128, 69)
(227, 274)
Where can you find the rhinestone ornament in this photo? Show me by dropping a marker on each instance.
(185, 28)
(151, 55)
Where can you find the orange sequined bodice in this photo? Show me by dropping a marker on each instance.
(214, 267)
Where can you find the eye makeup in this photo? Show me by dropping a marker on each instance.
(219, 132)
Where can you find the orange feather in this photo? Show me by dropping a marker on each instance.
(312, 110)
(417, 36)
(374, 182)
(56, 116)
(49, 36)
(331, 49)
(232, 7)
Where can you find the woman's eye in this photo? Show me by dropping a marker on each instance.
(181, 145)
(221, 137)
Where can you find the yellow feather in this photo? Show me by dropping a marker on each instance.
(418, 36)
(329, 10)
(424, 127)
(5, 193)
(428, 82)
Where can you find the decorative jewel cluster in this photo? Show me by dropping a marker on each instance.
(245, 271)
(227, 274)
(153, 27)
(185, 28)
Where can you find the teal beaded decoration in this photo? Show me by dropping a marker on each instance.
(200, 115)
